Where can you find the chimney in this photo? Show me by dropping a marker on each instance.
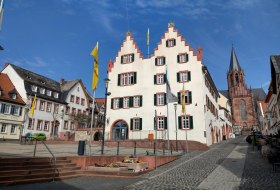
(62, 81)
(199, 54)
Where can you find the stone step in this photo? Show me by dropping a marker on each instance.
(37, 171)
(30, 167)
(35, 162)
(36, 175)
(30, 159)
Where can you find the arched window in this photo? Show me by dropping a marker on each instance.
(236, 78)
(243, 111)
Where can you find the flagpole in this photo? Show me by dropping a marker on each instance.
(91, 122)
(148, 42)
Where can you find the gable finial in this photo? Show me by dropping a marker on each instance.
(128, 33)
(171, 24)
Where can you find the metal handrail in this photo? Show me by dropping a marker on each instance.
(53, 157)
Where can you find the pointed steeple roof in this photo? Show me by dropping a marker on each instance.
(234, 64)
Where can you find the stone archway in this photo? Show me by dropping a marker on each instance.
(120, 130)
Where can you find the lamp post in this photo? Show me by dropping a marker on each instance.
(103, 130)
(175, 108)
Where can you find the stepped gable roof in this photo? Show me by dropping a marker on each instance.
(258, 94)
(30, 78)
(6, 88)
(234, 64)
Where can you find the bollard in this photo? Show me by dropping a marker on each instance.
(134, 148)
(118, 148)
(154, 148)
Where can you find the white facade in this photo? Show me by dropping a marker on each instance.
(204, 119)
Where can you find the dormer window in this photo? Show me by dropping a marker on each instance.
(55, 94)
(34, 88)
(29, 77)
(49, 93)
(42, 91)
(13, 96)
(43, 82)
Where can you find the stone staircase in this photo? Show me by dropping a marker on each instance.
(14, 171)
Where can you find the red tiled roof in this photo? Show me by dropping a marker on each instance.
(100, 100)
(7, 87)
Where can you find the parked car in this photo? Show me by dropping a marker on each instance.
(39, 136)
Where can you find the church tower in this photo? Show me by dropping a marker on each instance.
(241, 98)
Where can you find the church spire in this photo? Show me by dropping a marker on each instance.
(234, 65)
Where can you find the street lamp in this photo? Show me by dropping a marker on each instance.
(106, 94)
(175, 108)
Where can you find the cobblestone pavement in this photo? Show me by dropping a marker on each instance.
(189, 171)
(258, 173)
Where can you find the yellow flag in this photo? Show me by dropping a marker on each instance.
(95, 75)
(183, 99)
(31, 112)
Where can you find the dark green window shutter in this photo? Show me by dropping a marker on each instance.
(119, 79)
(20, 111)
(164, 78)
(165, 122)
(191, 122)
(132, 57)
(166, 43)
(165, 99)
(122, 59)
(121, 102)
(135, 77)
(174, 42)
(141, 101)
(112, 103)
(164, 60)
(140, 124)
(3, 108)
(156, 61)
(131, 101)
(178, 58)
(179, 97)
(190, 97)
(155, 79)
(12, 110)
(131, 124)
(178, 77)
(180, 122)
(189, 76)
(155, 99)
(187, 57)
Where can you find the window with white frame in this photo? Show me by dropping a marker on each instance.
(49, 93)
(39, 125)
(183, 76)
(73, 110)
(77, 100)
(4, 128)
(7, 109)
(72, 98)
(160, 99)
(13, 130)
(72, 126)
(136, 124)
(42, 90)
(65, 125)
(17, 110)
(185, 122)
(55, 94)
(170, 43)
(129, 58)
(116, 102)
(67, 112)
(83, 102)
(34, 88)
(160, 123)
(56, 107)
(46, 126)
(127, 78)
(30, 123)
(182, 58)
(49, 107)
(160, 61)
(42, 105)
(136, 101)
(13, 96)
(126, 102)
(160, 78)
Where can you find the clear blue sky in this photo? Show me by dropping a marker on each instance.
(55, 37)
